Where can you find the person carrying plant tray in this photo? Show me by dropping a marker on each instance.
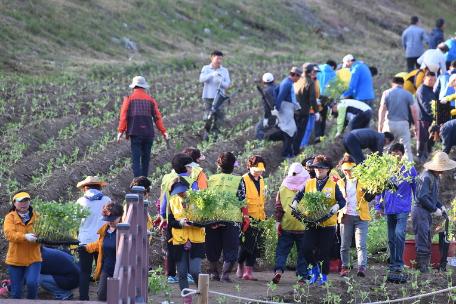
(320, 238)
(251, 240)
(354, 219)
(224, 236)
(290, 231)
(397, 206)
(427, 204)
(23, 258)
(187, 241)
(105, 246)
(93, 199)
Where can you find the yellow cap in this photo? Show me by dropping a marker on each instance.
(259, 167)
(19, 197)
(348, 166)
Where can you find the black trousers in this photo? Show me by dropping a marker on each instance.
(170, 260)
(85, 264)
(353, 147)
(412, 63)
(224, 238)
(318, 242)
(287, 145)
(320, 126)
(361, 120)
(301, 124)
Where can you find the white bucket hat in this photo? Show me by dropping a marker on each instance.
(440, 162)
(139, 81)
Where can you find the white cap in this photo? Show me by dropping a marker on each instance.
(347, 58)
(268, 77)
(296, 169)
(139, 81)
(452, 78)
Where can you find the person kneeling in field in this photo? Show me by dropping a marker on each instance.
(354, 219)
(105, 246)
(290, 231)
(187, 241)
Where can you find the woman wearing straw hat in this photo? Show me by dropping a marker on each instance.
(428, 204)
(93, 199)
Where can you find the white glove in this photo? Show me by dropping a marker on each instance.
(277, 224)
(444, 209)
(334, 209)
(319, 102)
(265, 122)
(317, 116)
(437, 212)
(444, 100)
(275, 112)
(183, 222)
(294, 204)
(119, 136)
(30, 237)
(166, 136)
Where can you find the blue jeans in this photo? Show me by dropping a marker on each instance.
(48, 283)
(140, 155)
(397, 225)
(28, 274)
(284, 245)
(309, 129)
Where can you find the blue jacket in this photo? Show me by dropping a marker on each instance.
(325, 76)
(285, 92)
(448, 135)
(401, 200)
(451, 54)
(441, 85)
(61, 266)
(427, 191)
(435, 37)
(361, 85)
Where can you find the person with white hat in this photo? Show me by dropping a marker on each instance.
(268, 98)
(361, 86)
(427, 204)
(138, 114)
(290, 231)
(434, 59)
(93, 199)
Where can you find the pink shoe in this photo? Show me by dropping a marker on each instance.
(248, 274)
(240, 270)
(4, 293)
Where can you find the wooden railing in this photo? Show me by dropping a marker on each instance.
(129, 282)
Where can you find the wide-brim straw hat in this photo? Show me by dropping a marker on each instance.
(91, 180)
(139, 81)
(440, 162)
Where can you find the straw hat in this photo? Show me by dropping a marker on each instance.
(91, 180)
(440, 162)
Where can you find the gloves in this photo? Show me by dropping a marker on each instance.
(30, 237)
(265, 122)
(183, 222)
(437, 212)
(166, 136)
(334, 209)
(294, 204)
(317, 116)
(245, 223)
(444, 209)
(369, 197)
(275, 112)
(119, 136)
(444, 100)
(278, 227)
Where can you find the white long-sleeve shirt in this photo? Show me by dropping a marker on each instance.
(90, 225)
(211, 78)
(433, 56)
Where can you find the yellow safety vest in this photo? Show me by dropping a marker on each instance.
(289, 222)
(224, 182)
(344, 74)
(166, 184)
(330, 190)
(255, 200)
(362, 204)
(184, 234)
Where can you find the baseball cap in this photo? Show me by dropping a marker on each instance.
(296, 70)
(347, 58)
(268, 77)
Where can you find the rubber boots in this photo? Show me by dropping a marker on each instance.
(227, 267)
(213, 272)
(248, 274)
(187, 300)
(423, 262)
(240, 270)
(323, 279)
(314, 274)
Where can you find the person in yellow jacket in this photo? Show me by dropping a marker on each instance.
(255, 198)
(226, 236)
(290, 231)
(105, 246)
(187, 241)
(23, 258)
(354, 219)
(319, 239)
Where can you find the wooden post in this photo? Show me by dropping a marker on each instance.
(203, 289)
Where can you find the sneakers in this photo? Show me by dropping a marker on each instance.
(345, 271)
(314, 274)
(173, 280)
(361, 271)
(4, 293)
(323, 279)
(190, 279)
(397, 277)
(276, 278)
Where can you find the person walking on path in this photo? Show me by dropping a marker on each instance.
(225, 236)
(94, 200)
(352, 113)
(437, 36)
(325, 77)
(361, 86)
(424, 97)
(106, 248)
(138, 114)
(23, 258)
(357, 140)
(427, 203)
(395, 106)
(413, 40)
(264, 129)
(290, 231)
(396, 206)
(354, 219)
(216, 80)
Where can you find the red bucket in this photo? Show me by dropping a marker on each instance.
(410, 253)
(335, 265)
